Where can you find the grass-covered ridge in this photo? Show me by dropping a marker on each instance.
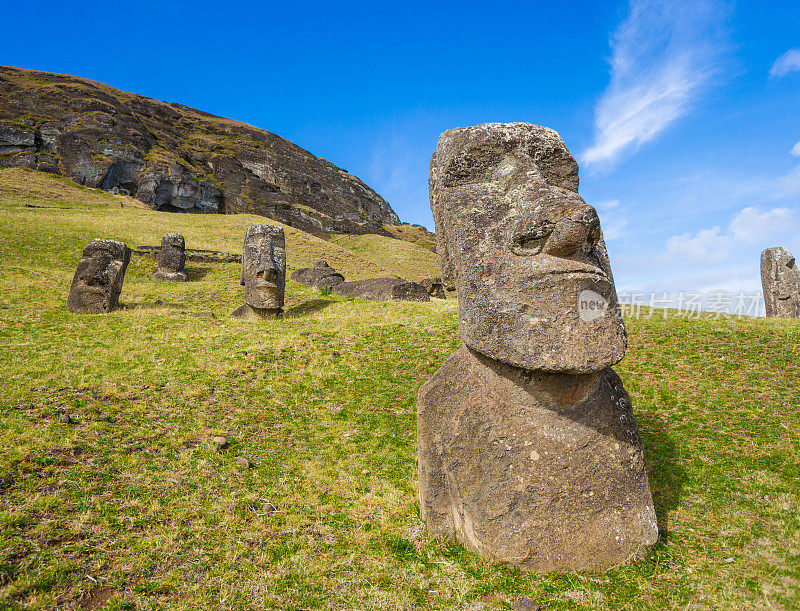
(130, 505)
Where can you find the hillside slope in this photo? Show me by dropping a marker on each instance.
(176, 158)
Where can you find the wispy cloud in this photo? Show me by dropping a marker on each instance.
(664, 55)
(786, 63)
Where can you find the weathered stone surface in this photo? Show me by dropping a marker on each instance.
(522, 246)
(780, 280)
(176, 158)
(171, 259)
(434, 287)
(319, 276)
(263, 272)
(529, 452)
(98, 280)
(533, 469)
(382, 289)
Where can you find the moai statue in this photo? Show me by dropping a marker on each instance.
(529, 452)
(98, 280)
(320, 276)
(263, 272)
(780, 280)
(171, 259)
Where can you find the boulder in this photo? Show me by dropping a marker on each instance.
(434, 287)
(320, 276)
(382, 289)
(780, 280)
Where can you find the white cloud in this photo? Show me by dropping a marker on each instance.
(786, 63)
(664, 54)
(612, 219)
(796, 150)
(751, 225)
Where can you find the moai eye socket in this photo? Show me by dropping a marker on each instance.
(594, 235)
(531, 242)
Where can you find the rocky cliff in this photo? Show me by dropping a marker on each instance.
(176, 158)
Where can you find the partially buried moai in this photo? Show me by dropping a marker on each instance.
(263, 272)
(98, 280)
(529, 452)
(171, 259)
(780, 280)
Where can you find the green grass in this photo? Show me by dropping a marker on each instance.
(130, 505)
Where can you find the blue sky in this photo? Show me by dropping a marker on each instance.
(684, 115)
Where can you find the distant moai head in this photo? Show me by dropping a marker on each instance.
(98, 280)
(172, 255)
(534, 282)
(264, 267)
(780, 279)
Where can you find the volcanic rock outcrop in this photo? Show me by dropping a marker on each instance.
(780, 280)
(175, 158)
(263, 272)
(171, 259)
(529, 452)
(98, 280)
(382, 289)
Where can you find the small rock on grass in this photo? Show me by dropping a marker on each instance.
(220, 441)
(243, 463)
(526, 604)
(65, 419)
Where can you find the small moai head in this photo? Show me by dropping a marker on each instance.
(98, 280)
(534, 282)
(172, 255)
(780, 279)
(264, 267)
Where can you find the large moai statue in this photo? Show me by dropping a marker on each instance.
(171, 259)
(98, 280)
(529, 452)
(263, 272)
(780, 280)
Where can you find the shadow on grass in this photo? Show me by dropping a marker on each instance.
(663, 467)
(307, 307)
(196, 273)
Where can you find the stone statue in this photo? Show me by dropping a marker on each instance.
(529, 452)
(171, 259)
(98, 280)
(780, 280)
(263, 272)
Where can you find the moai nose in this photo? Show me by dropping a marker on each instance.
(95, 274)
(267, 270)
(578, 231)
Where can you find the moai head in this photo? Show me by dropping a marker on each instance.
(534, 282)
(780, 279)
(172, 255)
(98, 280)
(264, 267)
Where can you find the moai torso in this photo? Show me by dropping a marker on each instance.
(529, 452)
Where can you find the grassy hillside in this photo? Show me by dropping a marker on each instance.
(131, 506)
(411, 261)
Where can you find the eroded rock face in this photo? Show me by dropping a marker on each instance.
(171, 259)
(320, 276)
(780, 280)
(175, 158)
(529, 452)
(382, 289)
(98, 280)
(263, 271)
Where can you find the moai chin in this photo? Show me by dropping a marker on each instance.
(171, 259)
(263, 272)
(98, 280)
(780, 280)
(529, 452)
